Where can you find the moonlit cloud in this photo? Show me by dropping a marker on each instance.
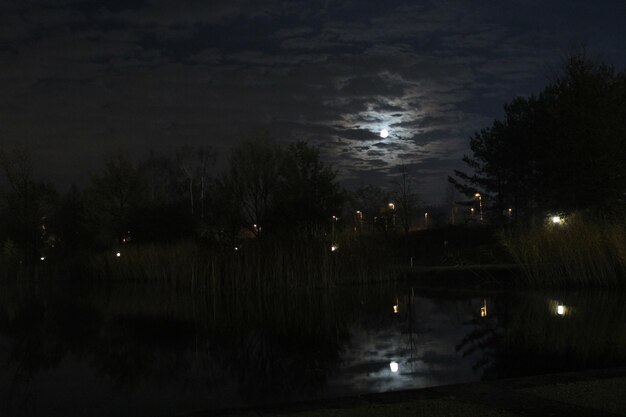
(83, 79)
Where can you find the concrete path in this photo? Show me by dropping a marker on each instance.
(599, 393)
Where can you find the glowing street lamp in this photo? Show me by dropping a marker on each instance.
(483, 309)
(559, 308)
(425, 220)
(391, 206)
(480, 205)
(393, 365)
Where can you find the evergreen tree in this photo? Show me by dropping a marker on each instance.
(563, 149)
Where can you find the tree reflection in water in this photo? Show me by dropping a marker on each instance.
(136, 343)
(274, 348)
(527, 335)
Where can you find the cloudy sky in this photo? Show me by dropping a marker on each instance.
(81, 79)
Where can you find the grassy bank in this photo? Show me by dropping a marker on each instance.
(576, 253)
(264, 264)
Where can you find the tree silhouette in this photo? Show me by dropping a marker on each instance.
(113, 196)
(253, 176)
(406, 199)
(563, 149)
(25, 203)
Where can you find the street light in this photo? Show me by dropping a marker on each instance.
(392, 207)
(425, 220)
(480, 205)
(557, 220)
(359, 220)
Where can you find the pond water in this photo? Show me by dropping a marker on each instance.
(140, 350)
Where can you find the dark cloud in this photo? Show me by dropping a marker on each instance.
(82, 79)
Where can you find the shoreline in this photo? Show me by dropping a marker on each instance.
(523, 396)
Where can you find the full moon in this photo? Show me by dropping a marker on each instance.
(384, 133)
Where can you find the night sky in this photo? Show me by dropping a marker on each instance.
(81, 80)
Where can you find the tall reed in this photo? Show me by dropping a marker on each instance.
(578, 253)
(265, 264)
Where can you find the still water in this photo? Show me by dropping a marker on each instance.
(140, 350)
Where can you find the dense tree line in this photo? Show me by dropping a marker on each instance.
(267, 190)
(563, 149)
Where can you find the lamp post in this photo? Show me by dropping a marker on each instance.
(392, 207)
(359, 221)
(480, 205)
(332, 234)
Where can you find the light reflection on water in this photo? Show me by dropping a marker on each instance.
(127, 350)
(420, 340)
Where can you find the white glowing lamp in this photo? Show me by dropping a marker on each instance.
(333, 248)
(560, 310)
(118, 254)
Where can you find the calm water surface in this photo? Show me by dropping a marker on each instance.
(139, 350)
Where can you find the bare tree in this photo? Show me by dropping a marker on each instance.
(451, 197)
(254, 175)
(194, 164)
(407, 201)
(160, 175)
(25, 201)
(113, 195)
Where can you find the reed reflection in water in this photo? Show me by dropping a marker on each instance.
(133, 349)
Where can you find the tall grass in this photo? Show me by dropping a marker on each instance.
(264, 264)
(579, 253)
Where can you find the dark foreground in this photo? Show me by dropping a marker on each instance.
(133, 349)
(593, 393)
